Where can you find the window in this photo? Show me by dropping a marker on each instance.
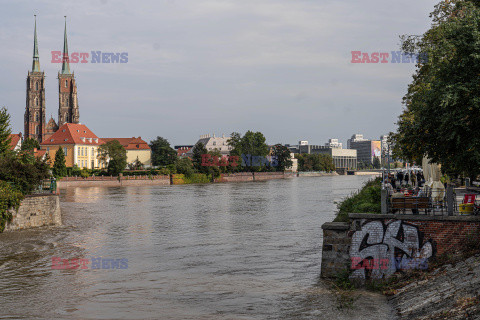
(36, 85)
(37, 129)
(66, 83)
(37, 118)
(214, 143)
(81, 151)
(36, 101)
(65, 151)
(93, 152)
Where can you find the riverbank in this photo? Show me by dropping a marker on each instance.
(377, 250)
(174, 179)
(449, 292)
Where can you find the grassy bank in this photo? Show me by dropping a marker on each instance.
(366, 200)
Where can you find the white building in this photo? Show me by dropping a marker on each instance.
(211, 142)
(333, 143)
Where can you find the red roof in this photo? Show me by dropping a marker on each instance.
(71, 133)
(40, 153)
(14, 140)
(130, 143)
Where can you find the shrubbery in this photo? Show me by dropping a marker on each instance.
(366, 200)
(9, 198)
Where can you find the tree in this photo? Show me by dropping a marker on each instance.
(442, 104)
(185, 166)
(5, 131)
(284, 159)
(59, 168)
(198, 150)
(115, 154)
(29, 144)
(162, 153)
(136, 165)
(376, 163)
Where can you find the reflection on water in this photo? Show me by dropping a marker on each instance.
(214, 251)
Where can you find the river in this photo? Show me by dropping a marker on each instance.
(216, 251)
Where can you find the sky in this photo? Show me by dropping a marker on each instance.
(281, 67)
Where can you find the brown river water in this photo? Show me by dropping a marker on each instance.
(215, 251)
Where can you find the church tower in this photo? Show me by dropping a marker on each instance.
(67, 90)
(35, 101)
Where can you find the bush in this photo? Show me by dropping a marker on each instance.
(23, 171)
(367, 200)
(9, 198)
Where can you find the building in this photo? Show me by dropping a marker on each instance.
(79, 144)
(35, 125)
(294, 167)
(355, 138)
(367, 150)
(52, 127)
(15, 142)
(333, 143)
(182, 150)
(342, 158)
(213, 143)
(67, 90)
(136, 149)
(386, 150)
(34, 119)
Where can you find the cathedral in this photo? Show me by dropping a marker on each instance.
(35, 118)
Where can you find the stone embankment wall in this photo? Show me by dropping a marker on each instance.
(36, 211)
(113, 181)
(316, 174)
(104, 181)
(376, 246)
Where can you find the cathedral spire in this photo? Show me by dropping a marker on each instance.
(36, 58)
(65, 64)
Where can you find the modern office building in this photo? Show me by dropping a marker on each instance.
(367, 150)
(333, 143)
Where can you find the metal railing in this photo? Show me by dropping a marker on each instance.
(47, 186)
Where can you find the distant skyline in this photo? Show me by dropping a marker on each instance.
(196, 67)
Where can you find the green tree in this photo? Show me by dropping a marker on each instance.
(115, 154)
(185, 166)
(5, 131)
(162, 153)
(59, 168)
(29, 144)
(442, 104)
(198, 150)
(376, 163)
(284, 159)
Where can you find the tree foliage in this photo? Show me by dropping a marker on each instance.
(115, 154)
(442, 105)
(30, 144)
(5, 131)
(284, 159)
(162, 153)
(59, 167)
(315, 162)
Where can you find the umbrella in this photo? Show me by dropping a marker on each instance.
(433, 173)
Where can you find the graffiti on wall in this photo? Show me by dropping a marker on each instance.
(378, 250)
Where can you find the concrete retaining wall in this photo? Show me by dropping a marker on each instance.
(376, 246)
(36, 211)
